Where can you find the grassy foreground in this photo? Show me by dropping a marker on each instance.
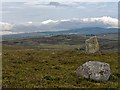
(32, 68)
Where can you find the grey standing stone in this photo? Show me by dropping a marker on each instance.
(94, 70)
(92, 45)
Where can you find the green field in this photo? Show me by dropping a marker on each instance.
(25, 67)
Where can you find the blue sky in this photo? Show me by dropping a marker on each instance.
(61, 0)
(57, 14)
(19, 12)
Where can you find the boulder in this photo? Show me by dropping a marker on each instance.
(92, 45)
(94, 70)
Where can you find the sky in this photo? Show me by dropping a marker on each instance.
(49, 14)
(61, 0)
(19, 12)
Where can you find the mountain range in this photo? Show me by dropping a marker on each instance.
(86, 31)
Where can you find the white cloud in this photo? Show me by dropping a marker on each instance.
(110, 21)
(57, 25)
(32, 3)
(81, 7)
(105, 21)
(7, 32)
(113, 22)
(5, 26)
(49, 21)
(74, 3)
(61, 0)
(30, 22)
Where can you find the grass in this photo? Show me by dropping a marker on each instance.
(31, 68)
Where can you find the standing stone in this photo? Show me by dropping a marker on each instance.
(94, 70)
(92, 45)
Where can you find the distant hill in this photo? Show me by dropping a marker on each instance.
(91, 30)
(88, 30)
(106, 41)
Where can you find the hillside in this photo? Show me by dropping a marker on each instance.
(107, 42)
(80, 31)
(51, 61)
(33, 68)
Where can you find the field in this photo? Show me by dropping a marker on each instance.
(53, 65)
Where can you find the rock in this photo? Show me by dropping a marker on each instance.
(92, 45)
(94, 70)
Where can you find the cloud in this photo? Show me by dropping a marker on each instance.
(8, 32)
(58, 25)
(61, 0)
(5, 26)
(112, 22)
(29, 22)
(52, 3)
(49, 21)
(57, 4)
(104, 21)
